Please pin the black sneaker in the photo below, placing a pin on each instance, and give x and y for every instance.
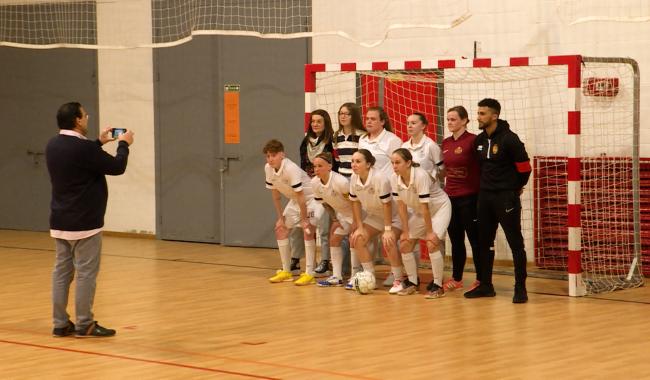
(323, 268)
(60, 332)
(483, 290)
(431, 286)
(521, 295)
(94, 330)
(295, 266)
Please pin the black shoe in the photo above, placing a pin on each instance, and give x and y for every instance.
(431, 286)
(483, 290)
(60, 332)
(521, 295)
(94, 330)
(323, 268)
(295, 266)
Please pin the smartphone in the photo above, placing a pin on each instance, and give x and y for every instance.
(117, 131)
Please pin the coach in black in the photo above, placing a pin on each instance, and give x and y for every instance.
(505, 169)
(77, 167)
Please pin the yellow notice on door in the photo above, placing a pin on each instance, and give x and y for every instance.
(231, 113)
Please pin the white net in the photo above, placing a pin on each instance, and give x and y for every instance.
(535, 101)
(68, 23)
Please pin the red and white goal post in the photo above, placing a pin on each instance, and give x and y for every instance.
(579, 119)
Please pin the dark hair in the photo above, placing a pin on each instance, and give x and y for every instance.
(367, 156)
(328, 131)
(356, 121)
(492, 104)
(383, 116)
(460, 110)
(406, 156)
(273, 146)
(68, 114)
(325, 156)
(422, 117)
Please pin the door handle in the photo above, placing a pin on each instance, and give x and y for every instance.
(35, 156)
(225, 162)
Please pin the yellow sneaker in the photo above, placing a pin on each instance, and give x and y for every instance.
(305, 279)
(281, 276)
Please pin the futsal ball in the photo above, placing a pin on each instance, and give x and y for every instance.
(364, 282)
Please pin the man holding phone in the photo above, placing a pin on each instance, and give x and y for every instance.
(77, 168)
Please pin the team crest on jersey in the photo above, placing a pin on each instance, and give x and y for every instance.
(458, 150)
(480, 147)
(495, 149)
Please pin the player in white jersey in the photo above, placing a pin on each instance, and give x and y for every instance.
(380, 140)
(284, 177)
(424, 150)
(331, 189)
(371, 192)
(415, 189)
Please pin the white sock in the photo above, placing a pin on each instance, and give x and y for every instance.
(437, 266)
(310, 256)
(336, 254)
(285, 254)
(397, 272)
(411, 266)
(369, 267)
(354, 261)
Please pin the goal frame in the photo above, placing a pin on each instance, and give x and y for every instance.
(573, 65)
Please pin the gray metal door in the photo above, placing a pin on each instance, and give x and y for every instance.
(202, 195)
(34, 83)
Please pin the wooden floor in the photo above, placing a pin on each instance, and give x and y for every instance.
(194, 311)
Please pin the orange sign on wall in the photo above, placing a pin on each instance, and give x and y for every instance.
(231, 113)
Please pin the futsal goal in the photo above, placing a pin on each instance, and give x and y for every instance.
(579, 119)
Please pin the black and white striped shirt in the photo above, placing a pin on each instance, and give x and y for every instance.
(345, 146)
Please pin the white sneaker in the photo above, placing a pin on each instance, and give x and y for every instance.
(388, 282)
(398, 286)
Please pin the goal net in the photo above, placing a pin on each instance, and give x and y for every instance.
(578, 118)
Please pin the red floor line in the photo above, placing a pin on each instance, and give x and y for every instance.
(172, 364)
(212, 356)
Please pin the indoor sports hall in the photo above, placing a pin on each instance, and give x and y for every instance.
(188, 239)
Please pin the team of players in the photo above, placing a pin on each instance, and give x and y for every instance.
(393, 189)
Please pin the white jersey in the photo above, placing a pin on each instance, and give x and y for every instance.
(421, 189)
(428, 154)
(289, 180)
(334, 193)
(372, 194)
(381, 148)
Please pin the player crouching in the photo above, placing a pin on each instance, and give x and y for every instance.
(284, 177)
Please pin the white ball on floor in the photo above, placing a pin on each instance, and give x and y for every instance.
(364, 282)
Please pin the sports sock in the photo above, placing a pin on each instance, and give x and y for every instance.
(437, 266)
(310, 256)
(397, 272)
(336, 254)
(411, 266)
(285, 254)
(369, 267)
(354, 261)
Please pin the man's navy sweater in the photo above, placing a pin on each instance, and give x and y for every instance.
(79, 191)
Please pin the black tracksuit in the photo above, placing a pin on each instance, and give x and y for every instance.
(505, 169)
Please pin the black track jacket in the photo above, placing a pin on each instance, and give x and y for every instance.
(503, 159)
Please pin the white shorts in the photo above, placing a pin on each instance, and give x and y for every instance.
(377, 222)
(345, 225)
(439, 221)
(291, 213)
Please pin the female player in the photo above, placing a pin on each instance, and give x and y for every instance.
(424, 150)
(371, 192)
(380, 140)
(319, 139)
(462, 185)
(284, 177)
(416, 189)
(346, 138)
(331, 189)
